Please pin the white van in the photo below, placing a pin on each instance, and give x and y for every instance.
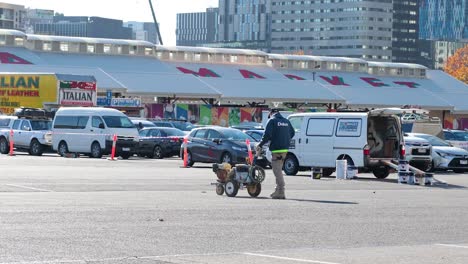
(90, 130)
(362, 138)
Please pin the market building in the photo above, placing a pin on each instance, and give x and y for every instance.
(225, 86)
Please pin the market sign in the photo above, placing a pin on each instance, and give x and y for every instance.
(77, 93)
(126, 102)
(26, 90)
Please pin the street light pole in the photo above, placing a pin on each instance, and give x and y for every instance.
(156, 23)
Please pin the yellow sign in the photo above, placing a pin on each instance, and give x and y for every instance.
(26, 90)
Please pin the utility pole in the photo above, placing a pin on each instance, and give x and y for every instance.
(156, 23)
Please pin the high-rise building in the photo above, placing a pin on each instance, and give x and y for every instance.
(38, 16)
(82, 26)
(12, 16)
(195, 29)
(246, 21)
(143, 31)
(443, 20)
(359, 29)
(405, 31)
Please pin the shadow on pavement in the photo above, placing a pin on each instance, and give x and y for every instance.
(395, 181)
(298, 200)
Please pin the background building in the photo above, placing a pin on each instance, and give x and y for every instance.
(195, 29)
(358, 29)
(245, 21)
(38, 16)
(405, 31)
(82, 26)
(12, 16)
(143, 31)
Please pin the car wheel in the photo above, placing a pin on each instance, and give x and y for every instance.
(226, 158)
(459, 170)
(126, 156)
(4, 148)
(96, 151)
(254, 190)
(381, 172)
(62, 149)
(291, 165)
(36, 148)
(190, 162)
(231, 189)
(430, 167)
(158, 152)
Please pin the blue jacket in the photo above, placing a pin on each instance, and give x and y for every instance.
(279, 132)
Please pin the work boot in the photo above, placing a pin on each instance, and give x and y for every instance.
(278, 194)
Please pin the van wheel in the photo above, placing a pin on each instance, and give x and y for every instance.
(291, 165)
(4, 148)
(62, 149)
(96, 151)
(381, 172)
(36, 148)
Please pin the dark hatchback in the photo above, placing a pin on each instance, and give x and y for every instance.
(217, 145)
(160, 142)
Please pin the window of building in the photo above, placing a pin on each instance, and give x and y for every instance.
(234, 58)
(149, 51)
(197, 57)
(47, 46)
(19, 41)
(91, 48)
(2, 40)
(64, 46)
(107, 48)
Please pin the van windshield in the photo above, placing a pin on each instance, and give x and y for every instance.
(118, 122)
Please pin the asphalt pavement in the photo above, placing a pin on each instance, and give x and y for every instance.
(65, 210)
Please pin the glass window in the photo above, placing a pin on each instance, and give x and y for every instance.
(234, 134)
(296, 123)
(143, 133)
(320, 127)
(5, 122)
(2, 40)
(434, 141)
(39, 125)
(213, 134)
(16, 124)
(97, 122)
(174, 132)
(349, 128)
(200, 133)
(118, 122)
(71, 122)
(63, 46)
(91, 48)
(19, 41)
(26, 126)
(155, 133)
(47, 46)
(107, 48)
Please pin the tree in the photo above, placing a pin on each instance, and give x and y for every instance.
(457, 65)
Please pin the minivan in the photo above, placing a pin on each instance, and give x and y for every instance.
(364, 139)
(90, 130)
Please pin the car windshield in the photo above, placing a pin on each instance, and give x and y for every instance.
(41, 125)
(118, 122)
(184, 126)
(174, 133)
(236, 135)
(460, 136)
(435, 141)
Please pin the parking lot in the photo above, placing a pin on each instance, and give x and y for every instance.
(65, 210)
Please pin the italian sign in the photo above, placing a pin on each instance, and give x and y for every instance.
(77, 93)
(26, 90)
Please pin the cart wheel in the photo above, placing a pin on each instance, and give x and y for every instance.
(254, 190)
(231, 188)
(219, 189)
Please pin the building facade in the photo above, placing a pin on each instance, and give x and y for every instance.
(12, 16)
(196, 29)
(357, 29)
(38, 16)
(443, 20)
(245, 21)
(143, 31)
(405, 31)
(82, 26)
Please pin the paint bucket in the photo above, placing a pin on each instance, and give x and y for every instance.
(317, 173)
(403, 165)
(341, 169)
(352, 172)
(406, 177)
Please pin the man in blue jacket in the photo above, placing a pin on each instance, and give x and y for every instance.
(279, 133)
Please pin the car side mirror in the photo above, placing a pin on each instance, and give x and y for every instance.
(140, 126)
(217, 141)
(28, 129)
(101, 126)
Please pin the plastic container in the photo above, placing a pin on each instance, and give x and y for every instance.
(403, 165)
(341, 169)
(317, 173)
(352, 172)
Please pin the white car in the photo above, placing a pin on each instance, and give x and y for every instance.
(418, 152)
(458, 138)
(444, 155)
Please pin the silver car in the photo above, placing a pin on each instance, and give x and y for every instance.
(444, 155)
(418, 152)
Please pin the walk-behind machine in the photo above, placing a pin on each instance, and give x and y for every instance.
(231, 179)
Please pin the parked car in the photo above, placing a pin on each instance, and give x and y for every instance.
(444, 155)
(364, 139)
(160, 142)
(182, 125)
(249, 126)
(418, 152)
(457, 138)
(257, 135)
(29, 134)
(90, 130)
(141, 123)
(217, 145)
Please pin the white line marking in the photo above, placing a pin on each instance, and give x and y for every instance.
(292, 259)
(451, 245)
(30, 188)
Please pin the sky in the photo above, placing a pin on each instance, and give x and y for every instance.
(127, 10)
